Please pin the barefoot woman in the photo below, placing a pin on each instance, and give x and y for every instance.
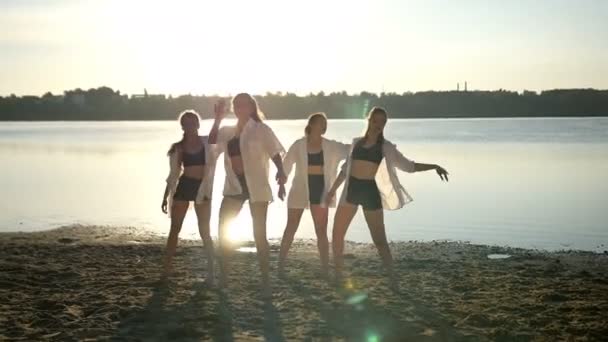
(372, 183)
(192, 165)
(247, 147)
(316, 162)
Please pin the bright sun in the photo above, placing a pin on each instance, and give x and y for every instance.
(241, 228)
(193, 46)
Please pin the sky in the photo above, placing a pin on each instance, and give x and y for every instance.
(228, 46)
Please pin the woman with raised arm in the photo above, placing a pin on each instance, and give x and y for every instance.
(372, 183)
(192, 166)
(316, 161)
(248, 146)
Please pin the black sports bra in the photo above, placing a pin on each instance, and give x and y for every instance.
(192, 159)
(372, 154)
(234, 147)
(315, 159)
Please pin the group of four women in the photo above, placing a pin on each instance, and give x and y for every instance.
(369, 174)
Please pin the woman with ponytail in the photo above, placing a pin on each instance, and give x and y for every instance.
(192, 166)
(316, 161)
(372, 183)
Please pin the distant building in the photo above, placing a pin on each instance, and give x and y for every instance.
(145, 95)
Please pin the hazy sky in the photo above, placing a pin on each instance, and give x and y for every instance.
(227, 46)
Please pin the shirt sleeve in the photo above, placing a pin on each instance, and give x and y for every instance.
(343, 149)
(290, 158)
(272, 145)
(174, 168)
(400, 161)
(224, 134)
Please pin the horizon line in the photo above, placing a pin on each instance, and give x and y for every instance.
(285, 93)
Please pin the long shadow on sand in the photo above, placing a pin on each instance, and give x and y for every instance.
(356, 318)
(205, 315)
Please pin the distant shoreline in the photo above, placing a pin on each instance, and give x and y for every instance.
(330, 118)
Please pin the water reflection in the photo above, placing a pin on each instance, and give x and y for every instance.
(529, 183)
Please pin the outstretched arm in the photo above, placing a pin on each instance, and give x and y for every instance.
(404, 164)
(443, 174)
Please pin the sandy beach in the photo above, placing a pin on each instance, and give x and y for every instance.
(89, 283)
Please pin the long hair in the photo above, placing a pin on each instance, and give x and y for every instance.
(257, 114)
(311, 119)
(180, 118)
(376, 111)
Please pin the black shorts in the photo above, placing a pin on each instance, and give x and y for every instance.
(187, 189)
(316, 185)
(244, 195)
(363, 192)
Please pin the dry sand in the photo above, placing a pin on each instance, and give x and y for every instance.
(78, 283)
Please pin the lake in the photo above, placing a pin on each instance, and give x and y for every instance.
(534, 182)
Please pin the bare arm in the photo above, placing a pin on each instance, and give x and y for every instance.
(331, 193)
(164, 204)
(280, 177)
(218, 109)
(420, 167)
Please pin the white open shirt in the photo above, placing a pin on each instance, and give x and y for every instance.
(176, 168)
(333, 153)
(258, 145)
(392, 193)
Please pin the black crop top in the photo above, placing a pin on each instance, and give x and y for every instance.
(192, 159)
(315, 159)
(373, 153)
(234, 147)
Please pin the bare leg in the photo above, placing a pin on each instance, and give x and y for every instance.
(203, 213)
(258, 215)
(343, 218)
(178, 212)
(319, 217)
(375, 223)
(229, 209)
(293, 221)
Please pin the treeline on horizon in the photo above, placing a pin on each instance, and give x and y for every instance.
(104, 103)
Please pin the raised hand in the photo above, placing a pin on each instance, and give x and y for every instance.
(219, 109)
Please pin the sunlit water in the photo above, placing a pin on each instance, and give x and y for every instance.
(537, 183)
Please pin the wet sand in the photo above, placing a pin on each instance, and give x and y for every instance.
(79, 283)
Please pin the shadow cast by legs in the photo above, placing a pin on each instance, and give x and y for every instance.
(359, 319)
(272, 323)
(201, 317)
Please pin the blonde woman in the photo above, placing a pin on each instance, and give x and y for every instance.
(372, 183)
(248, 146)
